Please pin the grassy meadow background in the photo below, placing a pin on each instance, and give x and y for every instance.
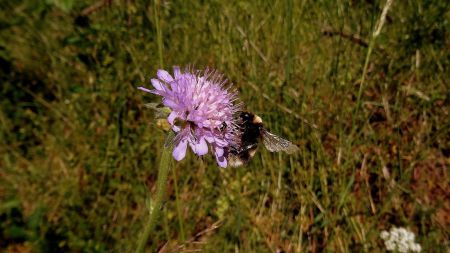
(79, 152)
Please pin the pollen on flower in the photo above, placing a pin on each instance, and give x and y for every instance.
(401, 240)
(201, 103)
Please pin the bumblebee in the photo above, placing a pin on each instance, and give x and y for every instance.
(250, 132)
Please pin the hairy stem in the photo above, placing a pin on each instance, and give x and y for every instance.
(156, 204)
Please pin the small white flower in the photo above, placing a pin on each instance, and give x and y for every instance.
(390, 245)
(384, 234)
(403, 246)
(416, 247)
(401, 240)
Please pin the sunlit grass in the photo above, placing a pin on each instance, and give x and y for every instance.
(80, 153)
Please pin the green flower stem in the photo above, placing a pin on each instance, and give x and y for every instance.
(177, 200)
(157, 203)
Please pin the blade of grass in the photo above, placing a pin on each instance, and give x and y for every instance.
(158, 33)
(375, 34)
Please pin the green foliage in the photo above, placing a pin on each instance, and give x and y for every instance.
(65, 5)
(79, 150)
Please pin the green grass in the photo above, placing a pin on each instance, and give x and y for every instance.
(79, 152)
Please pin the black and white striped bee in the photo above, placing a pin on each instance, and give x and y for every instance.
(251, 132)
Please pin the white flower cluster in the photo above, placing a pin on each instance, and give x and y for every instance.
(400, 240)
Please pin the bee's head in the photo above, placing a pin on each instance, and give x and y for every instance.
(248, 117)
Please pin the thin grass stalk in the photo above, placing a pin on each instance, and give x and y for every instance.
(375, 34)
(158, 33)
(289, 38)
(156, 204)
(363, 77)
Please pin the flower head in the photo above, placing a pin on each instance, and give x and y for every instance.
(202, 111)
(400, 239)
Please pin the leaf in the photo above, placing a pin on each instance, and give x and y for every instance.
(65, 5)
(16, 232)
(36, 218)
(9, 205)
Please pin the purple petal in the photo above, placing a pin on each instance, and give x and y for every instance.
(170, 103)
(201, 148)
(164, 75)
(158, 92)
(219, 151)
(176, 129)
(220, 142)
(210, 139)
(196, 118)
(222, 161)
(145, 89)
(176, 72)
(158, 85)
(175, 86)
(179, 152)
(172, 117)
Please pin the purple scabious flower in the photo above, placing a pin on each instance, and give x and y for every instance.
(202, 108)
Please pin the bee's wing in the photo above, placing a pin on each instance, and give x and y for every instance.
(275, 143)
